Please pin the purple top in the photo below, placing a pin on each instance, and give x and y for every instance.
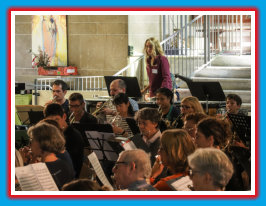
(159, 74)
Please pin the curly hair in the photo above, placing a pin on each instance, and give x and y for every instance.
(219, 129)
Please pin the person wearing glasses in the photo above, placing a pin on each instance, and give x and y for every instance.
(188, 105)
(77, 109)
(131, 170)
(175, 146)
(158, 68)
(210, 169)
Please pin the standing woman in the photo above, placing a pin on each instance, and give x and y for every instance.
(158, 68)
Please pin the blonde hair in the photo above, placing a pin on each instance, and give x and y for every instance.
(156, 47)
(178, 145)
(194, 103)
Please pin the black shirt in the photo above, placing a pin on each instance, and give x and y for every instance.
(61, 172)
(74, 146)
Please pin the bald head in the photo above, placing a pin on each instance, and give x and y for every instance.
(117, 86)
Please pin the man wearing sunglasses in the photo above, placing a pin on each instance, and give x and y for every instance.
(131, 170)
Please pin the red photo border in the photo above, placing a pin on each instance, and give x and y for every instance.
(132, 196)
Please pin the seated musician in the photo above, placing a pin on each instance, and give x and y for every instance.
(132, 169)
(77, 109)
(117, 86)
(59, 89)
(188, 105)
(124, 110)
(164, 99)
(233, 104)
(175, 146)
(46, 142)
(73, 138)
(190, 123)
(217, 133)
(149, 140)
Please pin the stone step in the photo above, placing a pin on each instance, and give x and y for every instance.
(223, 72)
(228, 60)
(228, 83)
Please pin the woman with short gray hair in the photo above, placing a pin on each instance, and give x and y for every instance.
(210, 169)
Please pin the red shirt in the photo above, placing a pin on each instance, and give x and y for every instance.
(159, 74)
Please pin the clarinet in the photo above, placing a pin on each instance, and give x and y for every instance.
(178, 122)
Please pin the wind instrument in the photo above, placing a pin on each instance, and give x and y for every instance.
(176, 122)
(165, 120)
(72, 118)
(54, 99)
(101, 107)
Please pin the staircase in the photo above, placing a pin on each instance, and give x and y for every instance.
(233, 73)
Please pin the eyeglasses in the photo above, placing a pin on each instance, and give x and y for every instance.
(74, 106)
(185, 107)
(118, 163)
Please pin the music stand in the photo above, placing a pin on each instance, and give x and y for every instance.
(23, 112)
(242, 126)
(35, 116)
(132, 90)
(206, 91)
(98, 136)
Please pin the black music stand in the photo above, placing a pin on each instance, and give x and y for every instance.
(206, 91)
(98, 136)
(242, 126)
(35, 116)
(132, 90)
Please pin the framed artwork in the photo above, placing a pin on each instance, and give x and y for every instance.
(49, 36)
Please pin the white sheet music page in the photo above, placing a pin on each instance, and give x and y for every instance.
(35, 177)
(98, 169)
(182, 184)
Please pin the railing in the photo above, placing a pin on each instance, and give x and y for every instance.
(190, 45)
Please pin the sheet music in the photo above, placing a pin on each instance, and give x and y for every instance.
(98, 169)
(181, 184)
(35, 177)
(129, 145)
